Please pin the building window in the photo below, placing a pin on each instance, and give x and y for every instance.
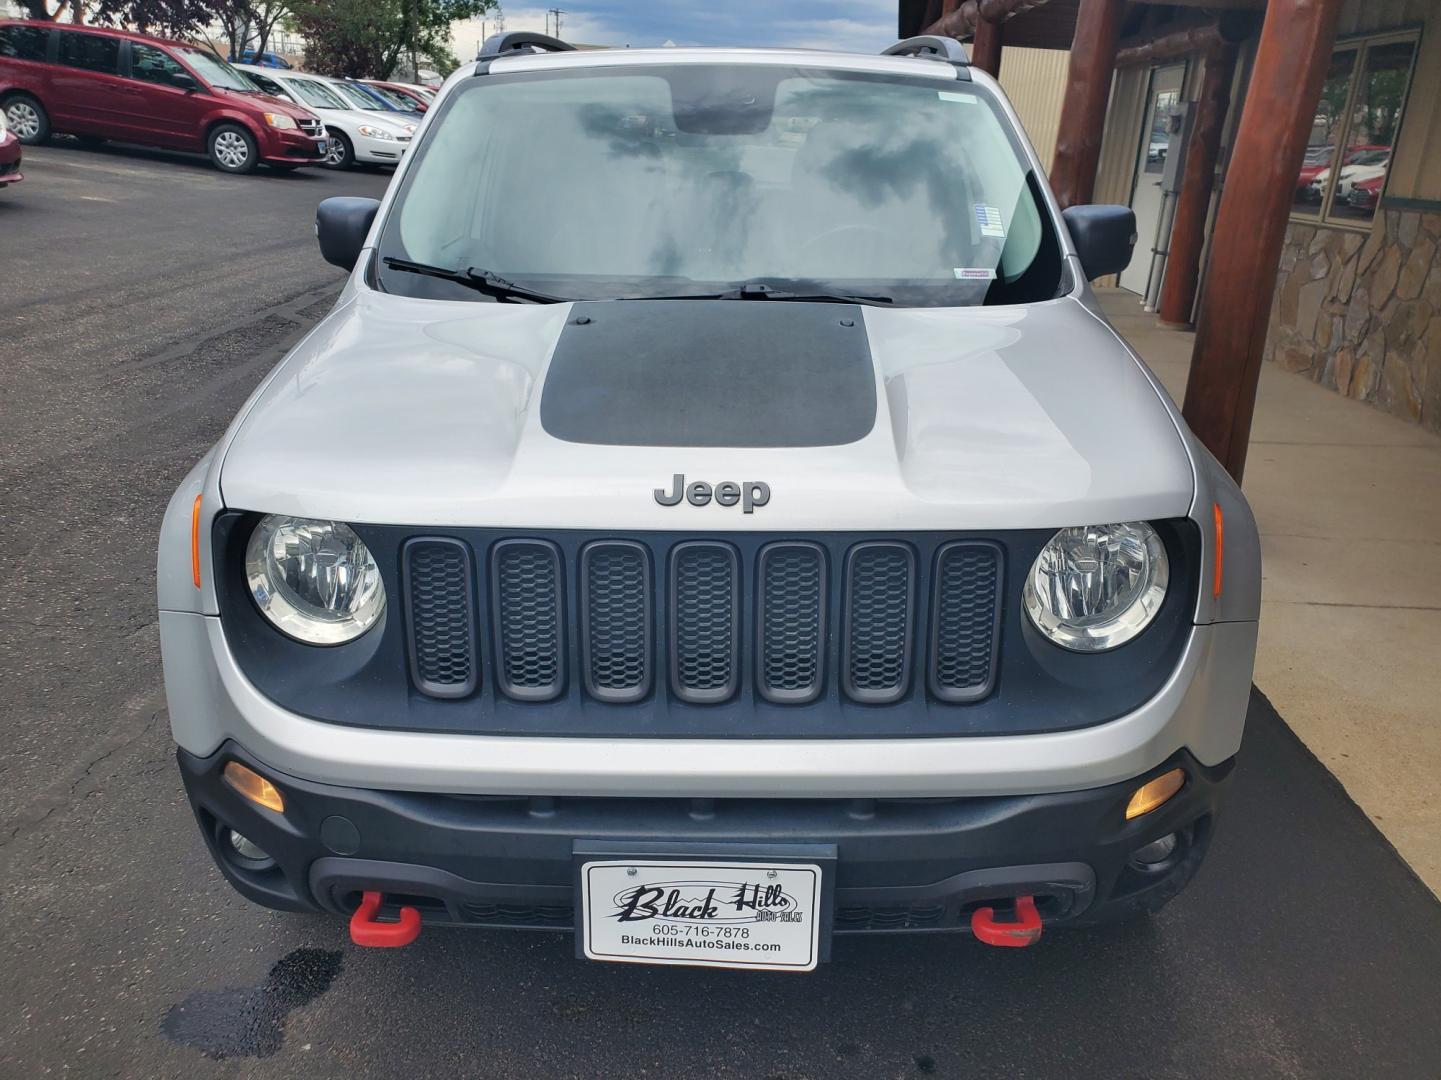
(1348, 157)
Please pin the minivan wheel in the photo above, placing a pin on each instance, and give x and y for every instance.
(232, 149)
(340, 155)
(26, 117)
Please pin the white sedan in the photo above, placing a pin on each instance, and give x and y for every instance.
(356, 135)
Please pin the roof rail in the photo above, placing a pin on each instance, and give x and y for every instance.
(931, 47)
(521, 41)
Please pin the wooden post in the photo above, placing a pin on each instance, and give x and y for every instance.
(1088, 90)
(1292, 58)
(1188, 231)
(986, 46)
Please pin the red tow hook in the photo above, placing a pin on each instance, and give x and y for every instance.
(365, 930)
(1026, 930)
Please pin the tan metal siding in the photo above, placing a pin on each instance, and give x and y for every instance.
(1124, 117)
(1035, 81)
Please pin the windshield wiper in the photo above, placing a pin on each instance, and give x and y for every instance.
(482, 281)
(755, 290)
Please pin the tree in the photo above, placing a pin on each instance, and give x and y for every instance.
(370, 38)
(248, 24)
(176, 18)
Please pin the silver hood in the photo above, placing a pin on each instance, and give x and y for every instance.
(424, 412)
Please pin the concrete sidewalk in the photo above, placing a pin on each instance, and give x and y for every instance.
(1349, 505)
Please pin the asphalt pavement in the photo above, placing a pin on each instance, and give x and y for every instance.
(143, 296)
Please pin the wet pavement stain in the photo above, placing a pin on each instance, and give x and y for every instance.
(250, 1021)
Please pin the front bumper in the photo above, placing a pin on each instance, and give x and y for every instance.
(291, 147)
(379, 152)
(1201, 709)
(901, 865)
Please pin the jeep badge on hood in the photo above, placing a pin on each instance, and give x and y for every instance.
(750, 494)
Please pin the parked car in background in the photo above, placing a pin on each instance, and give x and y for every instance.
(265, 59)
(1361, 163)
(370, 99)
(1316, 159)
(9, 156)
(1366, 194)
(371, 138)
(110, 84)
(406, 97)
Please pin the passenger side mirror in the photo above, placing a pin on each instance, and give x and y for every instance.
(1104, 236)
(341, 226)
(184, 81)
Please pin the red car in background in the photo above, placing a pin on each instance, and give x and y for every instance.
(9, 157)
(109, 84)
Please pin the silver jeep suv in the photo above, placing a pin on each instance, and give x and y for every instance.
(714, 518)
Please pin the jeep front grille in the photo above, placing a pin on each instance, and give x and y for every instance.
(699, 622)
(440, 617)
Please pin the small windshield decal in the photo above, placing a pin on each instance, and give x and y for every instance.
(974, 273)
(951, 95)
(989, 219)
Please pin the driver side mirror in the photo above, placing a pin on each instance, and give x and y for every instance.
(341, 225)
(1104, 237)
(184, 81)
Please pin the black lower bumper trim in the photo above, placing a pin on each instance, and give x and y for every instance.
(902, 864)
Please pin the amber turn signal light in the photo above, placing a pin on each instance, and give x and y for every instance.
(254, 786)
(1154, 793)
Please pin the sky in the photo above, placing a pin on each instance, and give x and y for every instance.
(854, 25)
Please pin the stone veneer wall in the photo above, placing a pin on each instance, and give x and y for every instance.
(1362, 314)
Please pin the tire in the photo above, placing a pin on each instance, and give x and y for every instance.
(27, 119)
(341, 154)
(232, 149)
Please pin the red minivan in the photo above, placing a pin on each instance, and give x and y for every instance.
(108, 84)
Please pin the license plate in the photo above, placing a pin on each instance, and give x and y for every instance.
(708, 914)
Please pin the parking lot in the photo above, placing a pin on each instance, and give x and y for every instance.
(144, 295)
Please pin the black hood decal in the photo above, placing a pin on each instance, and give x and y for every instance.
(752, 373)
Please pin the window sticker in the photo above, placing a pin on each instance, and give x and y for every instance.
(973, 273)
(951, 95)
(989, 219)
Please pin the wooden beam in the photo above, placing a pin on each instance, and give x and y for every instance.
(1188, 231)
(1083, 110)
(1230, 28)
(1291, 62)
(986, 47)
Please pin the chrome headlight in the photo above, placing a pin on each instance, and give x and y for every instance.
(376, 133)
(281, 121)
(1096, 587)
(314, 580)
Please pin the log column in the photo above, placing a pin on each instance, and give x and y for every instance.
(986, 45)
(1292, 58)
(1188, 231)
(1088, 90)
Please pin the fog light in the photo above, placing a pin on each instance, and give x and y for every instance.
(1157, 851)
(1155, 793)
(254, 787)
(247, 848)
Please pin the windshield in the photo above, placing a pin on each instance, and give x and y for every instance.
(400, 101)
(315, 93)
(216, 71)
(358, 98)
(692, 179)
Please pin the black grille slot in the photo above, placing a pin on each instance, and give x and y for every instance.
(965, 613)
(616, 619)
(880, 596)
(705, 621)
(792, 602)
(529, 619)
(441, 617)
